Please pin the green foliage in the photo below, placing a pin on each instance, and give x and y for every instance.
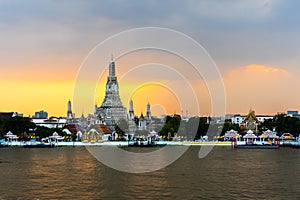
(171, 126)
(230, 126)
(43, 132)
(196, 127)
(193, 129)
(282, 124)
(17, 125)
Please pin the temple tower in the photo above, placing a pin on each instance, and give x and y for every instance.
(148, 114)
(69, 112)
(131, 111)
(112, 109)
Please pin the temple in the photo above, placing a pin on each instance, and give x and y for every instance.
(142, 123)
(251, 121)
(112, 109)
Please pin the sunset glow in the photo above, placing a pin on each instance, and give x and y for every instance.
(44, 45)
(262, 68)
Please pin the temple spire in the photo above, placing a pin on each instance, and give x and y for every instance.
(69, 112)
(131, 111)
(112, 69)
(148, 114)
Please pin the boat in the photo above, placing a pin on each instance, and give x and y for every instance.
(295, 144)
(3, 143)
(38, 145)
(256, 146)
(144, 143)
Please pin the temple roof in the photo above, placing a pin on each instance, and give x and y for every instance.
(251, 116)
(101, 128)
(73, 128)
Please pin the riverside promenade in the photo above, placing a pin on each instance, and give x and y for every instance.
(125, 143)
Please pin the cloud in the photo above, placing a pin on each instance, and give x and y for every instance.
(267, 88)
(265, 69)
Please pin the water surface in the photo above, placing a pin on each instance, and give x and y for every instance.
(72, 173)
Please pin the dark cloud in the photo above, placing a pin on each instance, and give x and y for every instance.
(232, 31)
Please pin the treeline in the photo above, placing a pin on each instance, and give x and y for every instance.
(194, 128)
(282, 124)
(17, 125)
(23, 127)
(197, 127)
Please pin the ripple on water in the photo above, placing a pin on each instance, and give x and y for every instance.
(68, 173)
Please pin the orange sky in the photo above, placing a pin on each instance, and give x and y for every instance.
(259, 86)
(43, 45)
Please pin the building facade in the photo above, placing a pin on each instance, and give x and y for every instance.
(40, 115)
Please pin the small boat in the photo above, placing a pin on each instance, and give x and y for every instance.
(254, 146)
(136, 144)
(38, 145)
(144, 143)
(295, 144)
(3, 143)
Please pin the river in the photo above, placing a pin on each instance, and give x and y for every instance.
(73, 173)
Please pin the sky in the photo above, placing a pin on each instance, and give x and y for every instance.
(254, 44)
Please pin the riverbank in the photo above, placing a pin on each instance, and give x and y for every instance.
(159, 143)
(125, 143)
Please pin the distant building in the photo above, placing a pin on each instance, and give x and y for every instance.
(293, 113)
(229, 116)
(52, 122)
(40, 115)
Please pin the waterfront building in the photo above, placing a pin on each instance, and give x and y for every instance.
(231, 135)
(97, 133)
(74, 129)
(112, 109)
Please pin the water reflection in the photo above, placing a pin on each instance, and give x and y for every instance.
(68, 173)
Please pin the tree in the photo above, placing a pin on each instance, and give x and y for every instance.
(282, 124)
(43, 132)
(17, 125)
(230, 126)
(171, 126)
